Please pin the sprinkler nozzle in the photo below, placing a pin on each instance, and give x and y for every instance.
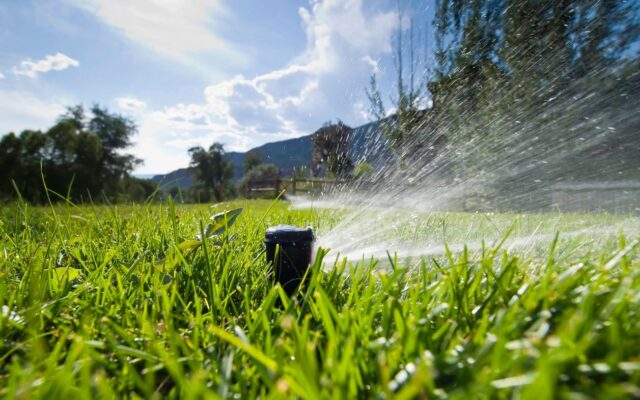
(289, 250)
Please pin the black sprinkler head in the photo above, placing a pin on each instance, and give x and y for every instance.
(289, 250)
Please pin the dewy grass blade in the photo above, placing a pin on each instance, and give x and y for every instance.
(220, 223)
(248, 349)
(620, 255)
(212, 300)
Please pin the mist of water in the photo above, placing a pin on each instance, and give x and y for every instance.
(537, 163)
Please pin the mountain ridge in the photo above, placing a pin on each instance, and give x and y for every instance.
(365, 145)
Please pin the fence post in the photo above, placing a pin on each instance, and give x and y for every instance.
(293, 185)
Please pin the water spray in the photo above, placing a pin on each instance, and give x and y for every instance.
(289, 250)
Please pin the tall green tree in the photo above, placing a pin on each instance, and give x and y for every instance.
(21, 158)
(251, 160)
(115, 132)
(400, 129)
(78, 157)
(330, 151)
(212, 169)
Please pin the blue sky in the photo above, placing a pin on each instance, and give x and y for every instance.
(193, 72)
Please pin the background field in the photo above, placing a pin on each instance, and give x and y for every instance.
(111, 301)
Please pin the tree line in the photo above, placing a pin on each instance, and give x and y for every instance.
(81, 158)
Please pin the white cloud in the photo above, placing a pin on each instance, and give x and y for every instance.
(166, 135)
(360, 108)
(174, 28)
(55, 62)
(130, 104)
(1, 75)
(375, 65)
(326, 80)
(22, 110)
(322, 82)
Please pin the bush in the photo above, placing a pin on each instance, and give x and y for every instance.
(262, 172)
(363, 170)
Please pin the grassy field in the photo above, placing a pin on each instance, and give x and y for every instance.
(103, 302)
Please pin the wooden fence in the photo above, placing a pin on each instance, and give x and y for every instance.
(292, 186)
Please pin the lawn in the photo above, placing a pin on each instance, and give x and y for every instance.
(122, 301)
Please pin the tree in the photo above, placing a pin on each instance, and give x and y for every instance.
(363, 170)
(77, 158)
(114, 132)
(251, 160)
(27, 176)
(526, 82)
(137, 190)
(331, 150)
(521, 91)
(212, 169)
(88, 152)
(263, 172)
(399, 129)
(10, 161)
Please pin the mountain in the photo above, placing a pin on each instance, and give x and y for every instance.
(285, 154)
(365, 144)
(182, 178)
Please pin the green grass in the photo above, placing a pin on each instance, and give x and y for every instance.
(101, 302)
